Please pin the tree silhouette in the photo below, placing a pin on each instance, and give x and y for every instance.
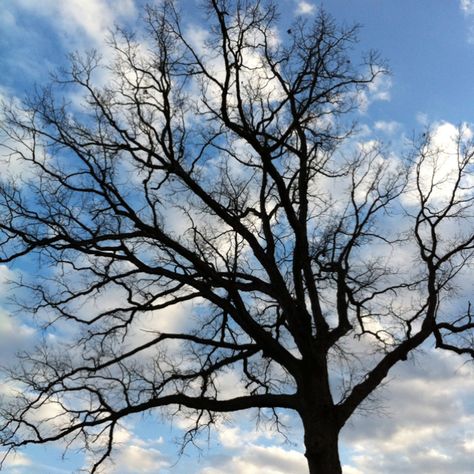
(221, 181)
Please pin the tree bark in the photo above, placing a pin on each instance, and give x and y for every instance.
(320, 418)
(322, 451)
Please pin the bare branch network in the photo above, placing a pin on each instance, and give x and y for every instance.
(209, 209)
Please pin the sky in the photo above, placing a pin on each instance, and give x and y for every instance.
(423, 420)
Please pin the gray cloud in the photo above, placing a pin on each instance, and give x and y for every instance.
(427, 422)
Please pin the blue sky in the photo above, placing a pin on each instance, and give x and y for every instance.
(429, 47)
(424, 420)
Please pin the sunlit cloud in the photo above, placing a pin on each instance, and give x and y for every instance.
(83, 20)
(305, 8)
(258, 459)
(425, 421)
(389, 127)
(467, 6)
(379, 90)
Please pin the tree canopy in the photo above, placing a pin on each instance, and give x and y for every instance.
(208, 207)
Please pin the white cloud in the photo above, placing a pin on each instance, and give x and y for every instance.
(14, 335)
(351, 470)
(238, 446)
(6, 276)
(467, 6)
(131, 454)
(387, 127)
(11, 146)
(468, 444)
(378, 90)
(17, 459)
(422, 118)
(305, 8)
(438, 170)
(428, 427)
(19, 463)
(78, 18)
(256, 459)
(137, 459)
(232, 436)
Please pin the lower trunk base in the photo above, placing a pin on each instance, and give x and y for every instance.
(322, 453)
(319, 465)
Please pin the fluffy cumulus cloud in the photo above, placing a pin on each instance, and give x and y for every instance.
(14, 333)
(256, 459)
(425, 425)
(439, 165)
(12, 167)
(423, 119)
(138, 457)
(253, 451)
(387, 127)
(421, 421)
(18, 461)
(305, 8)
(378, 90)
(37, 36)
(81, 19)
(467, 6)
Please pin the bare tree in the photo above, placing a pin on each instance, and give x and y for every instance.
(222, 179)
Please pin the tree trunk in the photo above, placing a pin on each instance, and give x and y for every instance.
(322, 450)
(320, 419)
